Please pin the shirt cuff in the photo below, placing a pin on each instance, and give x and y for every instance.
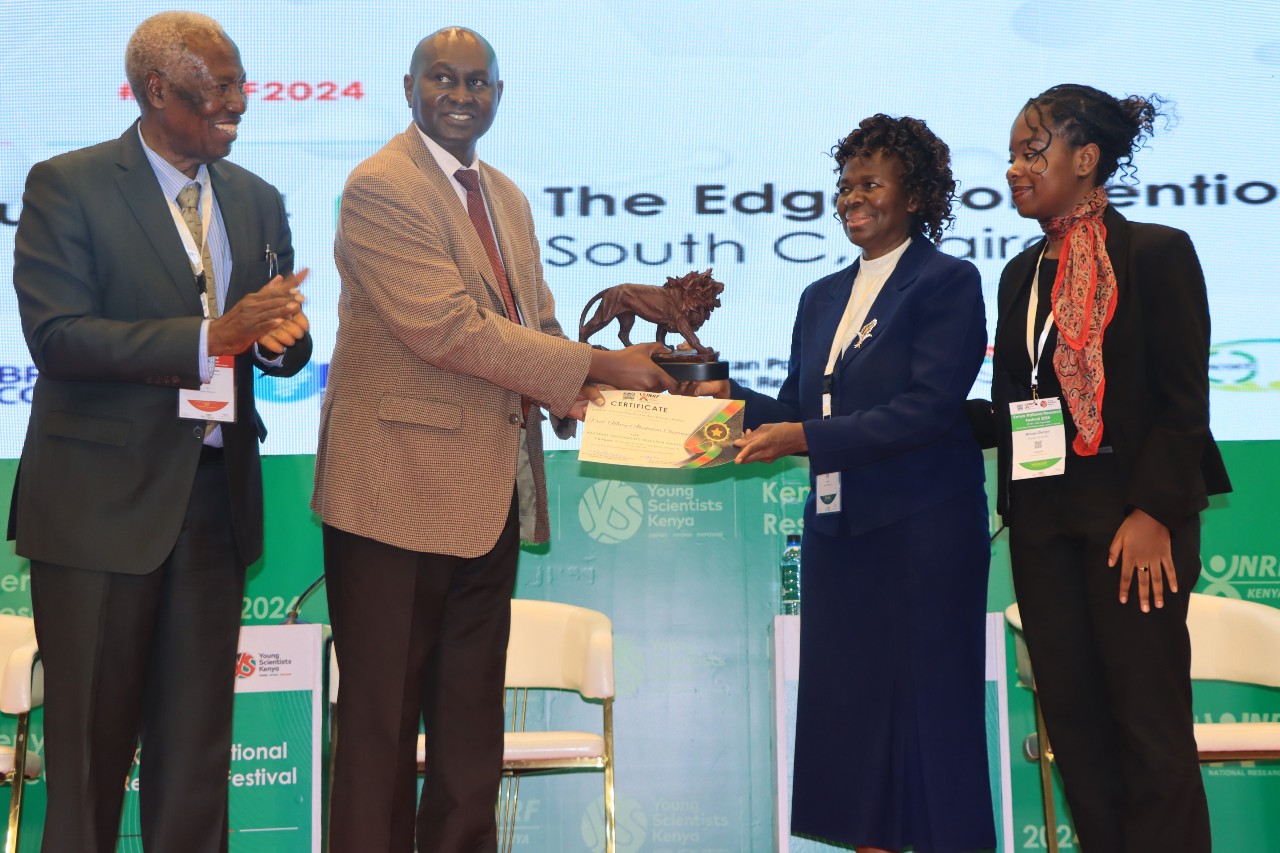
(275, 361)
(206, 363)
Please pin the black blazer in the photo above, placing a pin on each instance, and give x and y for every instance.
(1155, 353)
(111, 317)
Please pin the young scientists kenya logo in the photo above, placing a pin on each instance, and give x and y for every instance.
(246, 666)
(611, 512)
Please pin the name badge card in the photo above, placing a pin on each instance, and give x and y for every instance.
(216, 399)
(827, 493)
(1039, 441)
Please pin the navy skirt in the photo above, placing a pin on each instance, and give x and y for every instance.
(891, 735)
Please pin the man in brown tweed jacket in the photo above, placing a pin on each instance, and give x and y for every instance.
(429, 466)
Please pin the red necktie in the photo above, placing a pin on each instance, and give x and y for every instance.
(470, 180)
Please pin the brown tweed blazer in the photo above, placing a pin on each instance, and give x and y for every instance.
(420, 430)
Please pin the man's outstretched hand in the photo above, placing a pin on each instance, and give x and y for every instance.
(631, 369)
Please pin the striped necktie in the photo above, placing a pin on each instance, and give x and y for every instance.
(189, 205)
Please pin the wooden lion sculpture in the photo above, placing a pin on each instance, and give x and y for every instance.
(680, 305)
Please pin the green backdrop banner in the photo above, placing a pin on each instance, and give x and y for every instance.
(685, 563)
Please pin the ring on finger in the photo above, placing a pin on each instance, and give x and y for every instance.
(1144, 568)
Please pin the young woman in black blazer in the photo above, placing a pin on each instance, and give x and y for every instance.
(1111, 318)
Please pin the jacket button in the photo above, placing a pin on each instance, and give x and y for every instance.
(514, 420)
(198, 432)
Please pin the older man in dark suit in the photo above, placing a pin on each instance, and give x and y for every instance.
(146, 270)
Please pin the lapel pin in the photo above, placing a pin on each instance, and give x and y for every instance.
(864, 334)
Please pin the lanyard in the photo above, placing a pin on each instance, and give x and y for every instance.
(1036, 349)
(195, 253)
(855, 311)
(853, 308)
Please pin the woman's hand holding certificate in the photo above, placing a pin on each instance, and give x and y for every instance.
(649, 430)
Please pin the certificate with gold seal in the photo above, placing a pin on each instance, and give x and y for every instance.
(661, 430)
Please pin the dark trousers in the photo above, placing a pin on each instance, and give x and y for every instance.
(1114, 682)
(150, 656)
(419, 637)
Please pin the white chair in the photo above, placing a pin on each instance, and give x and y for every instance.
(1237, 641)
(1231, 640)
(557, 647)
(21, 689)
(553, 647)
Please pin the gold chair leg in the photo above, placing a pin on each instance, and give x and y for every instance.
(1046, 782)
(505, 811)
(609, 828)
(515, 705)
(19, 780)
(500, 811)
(515, 809)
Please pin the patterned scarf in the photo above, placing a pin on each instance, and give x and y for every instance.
(1084, 298)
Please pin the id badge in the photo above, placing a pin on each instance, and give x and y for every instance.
(216, 399)
(828, 493)
(1039, 440)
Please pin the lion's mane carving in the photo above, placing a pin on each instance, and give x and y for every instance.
(680, 305)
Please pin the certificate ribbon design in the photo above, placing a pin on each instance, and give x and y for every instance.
(713, 437)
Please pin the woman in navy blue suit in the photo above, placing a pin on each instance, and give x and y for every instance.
(891, 734)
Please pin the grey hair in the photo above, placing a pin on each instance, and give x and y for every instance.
(160, 43)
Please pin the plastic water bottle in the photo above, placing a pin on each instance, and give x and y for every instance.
(790, 570)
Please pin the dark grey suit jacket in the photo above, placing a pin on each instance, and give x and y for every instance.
(111, 316)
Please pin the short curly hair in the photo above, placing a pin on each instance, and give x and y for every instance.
(926, 165)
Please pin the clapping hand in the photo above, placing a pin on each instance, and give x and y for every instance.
(272, 317)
